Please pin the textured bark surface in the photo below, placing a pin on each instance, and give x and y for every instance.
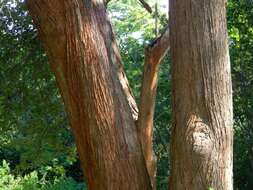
(82, 52)
(153, 58)
(201, 145)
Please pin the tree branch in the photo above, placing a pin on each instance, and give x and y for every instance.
(146, 6)
(154, 54)
(159, 47)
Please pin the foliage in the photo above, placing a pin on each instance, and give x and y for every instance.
(240, 25)
(33, 125)
(34, 132)
(32, 181)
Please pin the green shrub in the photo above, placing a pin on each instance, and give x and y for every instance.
(31, 181)
(64, 183)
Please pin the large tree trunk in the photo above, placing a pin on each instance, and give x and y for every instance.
(201, 145)
(82, 52)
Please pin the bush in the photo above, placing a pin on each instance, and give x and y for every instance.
(31, 181)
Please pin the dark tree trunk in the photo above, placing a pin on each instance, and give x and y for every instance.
(202, 134)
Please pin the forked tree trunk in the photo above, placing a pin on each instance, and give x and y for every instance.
(84, 56)
(79, 42)
(201, 146)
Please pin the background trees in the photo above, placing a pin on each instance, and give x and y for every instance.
(240, 24)
(32, 120)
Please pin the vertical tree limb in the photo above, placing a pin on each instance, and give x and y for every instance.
(153, 58)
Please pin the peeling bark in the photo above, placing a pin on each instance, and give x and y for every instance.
(202, 135)
(84, 57)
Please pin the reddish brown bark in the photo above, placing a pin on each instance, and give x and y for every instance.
(153, 58)
(201, 147)
(79, 42)
(84, 56)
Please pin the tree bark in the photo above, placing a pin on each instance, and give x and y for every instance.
(202, 134)
(154, 55)
(82, 52)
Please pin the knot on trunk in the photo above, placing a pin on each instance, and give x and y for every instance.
(199, 138)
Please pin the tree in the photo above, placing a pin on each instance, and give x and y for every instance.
(115, 150)
(201, 147)
(81, 47)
